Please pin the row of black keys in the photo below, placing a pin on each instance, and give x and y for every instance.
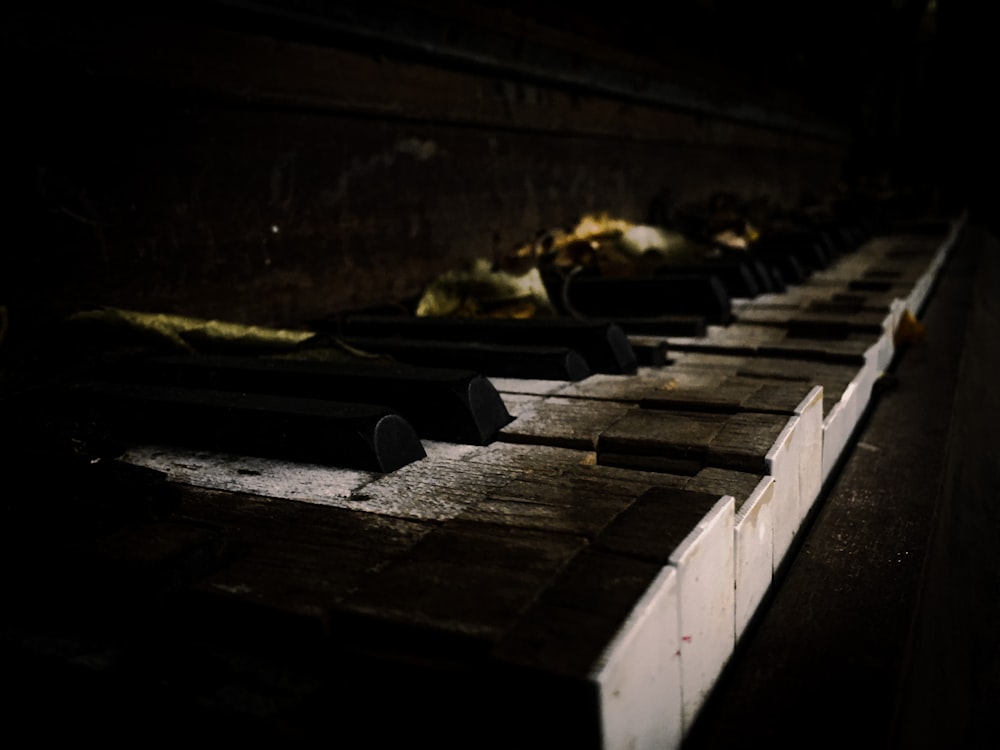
(372, 416)
(368, 415)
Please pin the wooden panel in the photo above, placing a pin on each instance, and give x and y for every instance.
(230, 174)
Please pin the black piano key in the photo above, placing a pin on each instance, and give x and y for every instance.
(654, 354)
(835, 241)
(869, 285)
(602, 343)
(737, 276)
(791, 269)
(807, 247)
(356, 436)
(666, 325)
(771, 277)
(839, 237)
(459, 406)
(651, 297)
(493, 360)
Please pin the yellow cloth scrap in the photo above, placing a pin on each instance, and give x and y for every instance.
(617, 247)
(737, 240)
(481, 290)
(909, 331)
(512, 285)
(180, 332)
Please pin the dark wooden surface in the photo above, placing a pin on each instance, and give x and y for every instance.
(899, 545)
(950, 694)
(181, 161)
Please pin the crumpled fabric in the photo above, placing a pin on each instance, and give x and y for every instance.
(181, 333)
(514, 285)
(482, 289)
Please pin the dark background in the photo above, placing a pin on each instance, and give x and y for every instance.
(909, 79)
(269, 161)
(153, 150)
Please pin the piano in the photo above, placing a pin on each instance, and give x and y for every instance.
(568, 544)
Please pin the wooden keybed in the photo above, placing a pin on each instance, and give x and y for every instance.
(584, 579)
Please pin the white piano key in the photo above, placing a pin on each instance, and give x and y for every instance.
(783, 461)
(846, 414)
(705, 563)
(809, 434)
(837, 427)
(639, 675)
(753, 534)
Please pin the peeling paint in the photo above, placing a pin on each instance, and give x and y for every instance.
(362, 167)
(418, 149)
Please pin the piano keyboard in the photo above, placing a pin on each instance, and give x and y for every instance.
(572, 561)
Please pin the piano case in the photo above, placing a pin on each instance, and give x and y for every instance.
(237, 541)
